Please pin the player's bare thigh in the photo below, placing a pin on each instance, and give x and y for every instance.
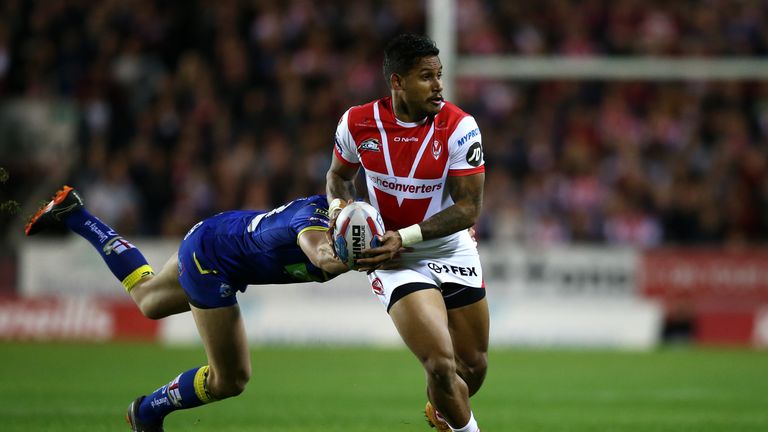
(420, 318)
(161, 295)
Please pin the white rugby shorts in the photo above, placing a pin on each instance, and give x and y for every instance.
(434, 264)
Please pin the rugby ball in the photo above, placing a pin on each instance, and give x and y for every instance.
(356, 229)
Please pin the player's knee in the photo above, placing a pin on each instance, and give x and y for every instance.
(151, 311)
(235, 387)
(476, 366)
(151, 308)
(441, 369)
(143, 295)
(472, 370)
(231, 385)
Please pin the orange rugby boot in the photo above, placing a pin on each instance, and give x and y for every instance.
(63, 203)
(435, 420)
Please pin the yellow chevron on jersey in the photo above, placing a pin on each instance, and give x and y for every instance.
(200, 268)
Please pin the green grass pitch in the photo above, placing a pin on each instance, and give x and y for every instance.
(64, 387)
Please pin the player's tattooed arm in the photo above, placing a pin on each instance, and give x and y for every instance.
(467, 194)
(340, 181)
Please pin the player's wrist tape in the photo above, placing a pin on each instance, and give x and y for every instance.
(410, 235)
(333, 206)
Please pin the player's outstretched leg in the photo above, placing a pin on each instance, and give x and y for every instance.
(123, 259)
(156, 296)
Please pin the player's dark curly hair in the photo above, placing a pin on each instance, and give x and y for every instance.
(404, 51)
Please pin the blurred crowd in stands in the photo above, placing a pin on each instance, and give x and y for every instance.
(188, 108)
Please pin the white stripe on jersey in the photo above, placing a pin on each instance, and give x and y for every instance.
(384, 140)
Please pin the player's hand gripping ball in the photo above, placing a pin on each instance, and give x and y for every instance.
(357, 228)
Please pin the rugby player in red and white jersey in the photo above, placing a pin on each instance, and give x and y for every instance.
(423, 164)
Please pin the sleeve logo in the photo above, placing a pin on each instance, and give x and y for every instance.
(471, 134)
(475, 154)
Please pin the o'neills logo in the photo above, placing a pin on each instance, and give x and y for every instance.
(391, 184)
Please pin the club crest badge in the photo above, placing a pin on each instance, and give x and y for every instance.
(437, 149)
(371, 144)
(377, 287)
(225, 290)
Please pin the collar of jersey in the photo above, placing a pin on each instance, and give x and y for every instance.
(410, 124)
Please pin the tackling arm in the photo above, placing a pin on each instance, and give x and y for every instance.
(315, 246)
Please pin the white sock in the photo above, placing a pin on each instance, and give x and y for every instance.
(470, 427)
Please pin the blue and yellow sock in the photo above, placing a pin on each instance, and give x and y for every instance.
(188, 390)
(123, 258)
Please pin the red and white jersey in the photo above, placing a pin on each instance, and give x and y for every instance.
(406, 164)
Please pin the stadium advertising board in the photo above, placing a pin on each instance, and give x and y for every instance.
(73, 319)
(562, 272)
(564, 296)
(558, 296)
(574, 296)
(724, 292)
(704, 276)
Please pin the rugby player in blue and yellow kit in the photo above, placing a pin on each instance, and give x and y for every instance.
(217, 258)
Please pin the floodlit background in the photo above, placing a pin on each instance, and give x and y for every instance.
(626, 148)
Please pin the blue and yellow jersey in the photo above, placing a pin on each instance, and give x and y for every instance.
(237, 248)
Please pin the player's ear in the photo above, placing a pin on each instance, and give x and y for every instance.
(396, 82)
